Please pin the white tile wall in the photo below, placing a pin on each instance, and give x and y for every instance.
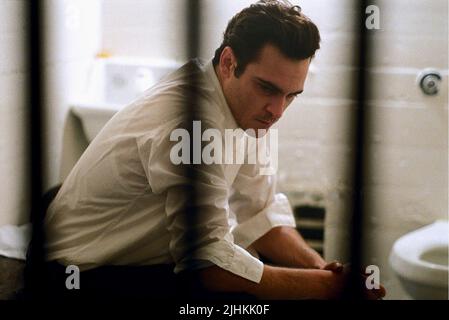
(13, 199)
(215, 17)
(423, 127)
(395, 51)
(13, 52)
(73, 39)
(149, 28)
(12, 16)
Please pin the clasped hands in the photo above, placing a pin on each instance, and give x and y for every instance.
(342, 273)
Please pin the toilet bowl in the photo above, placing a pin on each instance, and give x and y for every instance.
(420, 260)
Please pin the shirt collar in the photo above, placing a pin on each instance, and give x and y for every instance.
(229, 120)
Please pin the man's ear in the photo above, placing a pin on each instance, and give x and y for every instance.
(228, 62)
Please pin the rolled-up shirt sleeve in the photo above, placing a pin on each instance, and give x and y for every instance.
(202, 235)
(257, 206)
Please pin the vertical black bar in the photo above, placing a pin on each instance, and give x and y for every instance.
(193, 28)
(193, 44)
(360, 125)
(34, 282)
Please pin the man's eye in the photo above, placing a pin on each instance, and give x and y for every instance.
(267, 89)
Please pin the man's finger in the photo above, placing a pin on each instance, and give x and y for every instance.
(376, 293)
(334, 266)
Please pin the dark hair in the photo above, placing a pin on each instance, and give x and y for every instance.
(274, 22)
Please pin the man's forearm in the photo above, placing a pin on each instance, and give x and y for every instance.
(284, 246)
(276, 283)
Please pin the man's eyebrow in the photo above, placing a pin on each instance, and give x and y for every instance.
(275, 87)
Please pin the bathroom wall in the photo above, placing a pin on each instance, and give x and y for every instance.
(408, 187)
(149, 28)
(13, 74)
(73, 33)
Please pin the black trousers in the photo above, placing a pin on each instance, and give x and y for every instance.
(128, 282)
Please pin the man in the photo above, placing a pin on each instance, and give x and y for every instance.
(121, 215)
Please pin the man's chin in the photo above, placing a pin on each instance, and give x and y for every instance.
(258, 132)
(256, 129)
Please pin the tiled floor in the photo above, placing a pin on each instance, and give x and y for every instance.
(11, 277)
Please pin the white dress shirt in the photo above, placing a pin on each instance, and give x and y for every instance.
(123, 203)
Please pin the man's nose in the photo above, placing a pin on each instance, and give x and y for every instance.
(276, 106)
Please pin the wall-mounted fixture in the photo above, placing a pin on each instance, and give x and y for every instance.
(429, 81)
(115, 83)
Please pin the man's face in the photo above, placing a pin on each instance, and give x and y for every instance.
(259, 97)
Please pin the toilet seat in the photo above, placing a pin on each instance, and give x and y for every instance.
(406, 257)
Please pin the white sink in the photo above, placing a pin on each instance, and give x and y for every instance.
(114, 83)
(94, 116)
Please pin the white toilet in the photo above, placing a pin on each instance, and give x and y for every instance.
(420, 260)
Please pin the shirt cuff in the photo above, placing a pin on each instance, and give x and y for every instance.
(228, 256)
(278, 213)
